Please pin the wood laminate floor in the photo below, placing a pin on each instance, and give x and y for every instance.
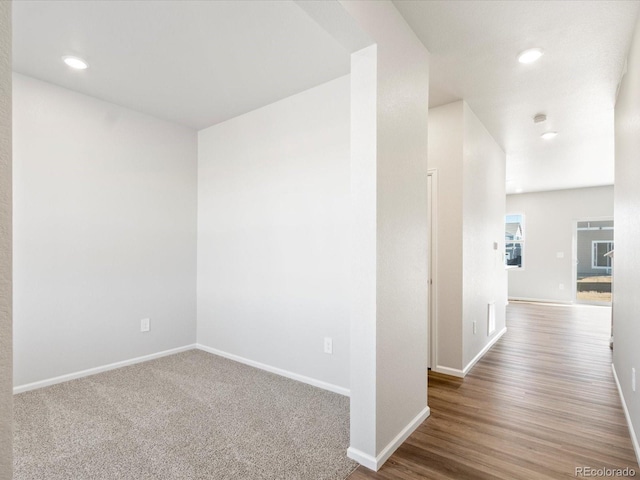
(540, 403)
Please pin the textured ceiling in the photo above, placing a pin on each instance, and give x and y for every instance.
(192, 62)
(474, 45)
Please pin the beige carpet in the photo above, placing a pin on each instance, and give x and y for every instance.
(188, 416)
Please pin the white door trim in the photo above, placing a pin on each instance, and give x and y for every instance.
(574, 257)
(432, 198)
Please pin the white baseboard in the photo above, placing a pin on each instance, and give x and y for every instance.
(375, 463)
(145, 358)
(455, 372)
(103, 368)
(362, 458)
(278, 371)
(546, 301)
(486, 348)
(632, 433)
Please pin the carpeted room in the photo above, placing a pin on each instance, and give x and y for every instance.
(249, 231)
(184, 416)
(137, 199)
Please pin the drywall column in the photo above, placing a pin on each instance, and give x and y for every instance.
(390, 88)
(389, 112)
(6, 355)
(364, 261)
(626, 302)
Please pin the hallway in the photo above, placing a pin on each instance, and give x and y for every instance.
(541, 403)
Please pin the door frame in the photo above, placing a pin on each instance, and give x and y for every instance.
(432, 253)
(574, 258)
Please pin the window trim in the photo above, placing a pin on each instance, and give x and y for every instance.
(594, 255)
(520, 241)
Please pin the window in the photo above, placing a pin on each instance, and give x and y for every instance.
(514, 240)
(598, 258)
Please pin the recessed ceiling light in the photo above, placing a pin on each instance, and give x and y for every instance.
(549, 135)
(75, 62)
(530, 55)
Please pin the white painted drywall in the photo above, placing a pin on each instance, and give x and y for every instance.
(390, 158)
(6, 358)
(549, 222)
(446, 134)
(626, 301)
(104, 232)
(273, 234)
(470, 203)
(484, 279)
(364, 87)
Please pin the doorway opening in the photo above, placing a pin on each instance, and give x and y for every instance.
(593, 262)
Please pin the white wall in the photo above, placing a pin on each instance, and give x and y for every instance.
(446, 142)
(626, 301)
(364, 386)
(484, 279)
(273, 234)
(389, 163)
(6, 360)
(105, 232)
(470, 211)
(548, 230)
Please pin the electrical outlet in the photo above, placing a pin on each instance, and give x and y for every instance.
(561, 286)
(328, 345)
(144, 325)
(559, 254)
(474, 327)
(633, 379)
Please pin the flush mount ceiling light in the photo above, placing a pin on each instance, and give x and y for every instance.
(530, 55)
(75, 62)
(549, 135)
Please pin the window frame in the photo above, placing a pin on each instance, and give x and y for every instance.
(594, 255)
(521, 241)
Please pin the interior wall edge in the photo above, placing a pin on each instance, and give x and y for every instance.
(627, 416)
(377, 462)
(6, 245)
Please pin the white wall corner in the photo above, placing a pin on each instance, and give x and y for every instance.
(375, 463)
(145, 358)
(362, 458)
(632, 433)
